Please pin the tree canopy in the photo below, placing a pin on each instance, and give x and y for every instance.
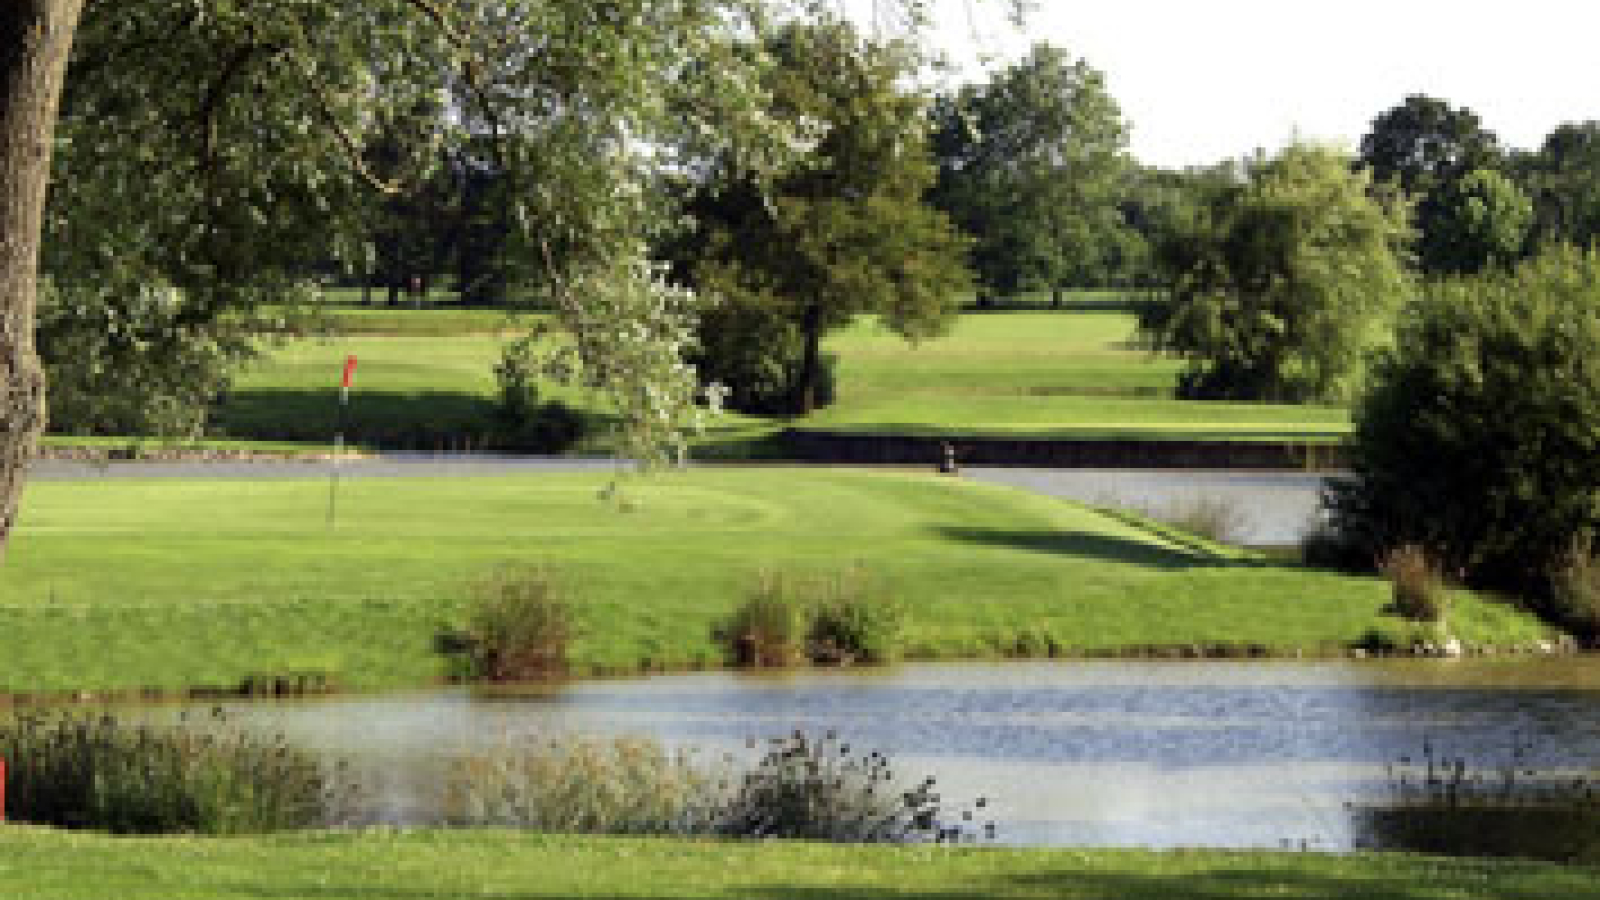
(1031, 164)
(1280, 283)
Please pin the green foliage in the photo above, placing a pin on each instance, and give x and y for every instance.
(749, 345)
(843, 230)
(1279, 285)
(524, 424)
(1426, 149)
(1419, 590)
(1031, 164)
(1564, 179)
(1478, 436)
(107, 774)
(1483, 222)
(1575, 588)
(522, 626)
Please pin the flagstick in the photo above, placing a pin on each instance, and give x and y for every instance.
(338, 439)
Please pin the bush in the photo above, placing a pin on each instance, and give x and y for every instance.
(1478, 436)
(831, 619)
(816, 789)
(769, 628)
(754, 352)
(1575, 588)
(1420, 594)
(105, 774)
(521, 628)
(853, 620)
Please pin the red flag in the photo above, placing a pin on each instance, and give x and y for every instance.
(349, 371)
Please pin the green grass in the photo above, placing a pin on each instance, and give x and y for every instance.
(1014, 373)
(37, 864)
(174, 583)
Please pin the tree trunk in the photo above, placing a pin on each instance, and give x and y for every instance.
(805, 387)
(35, 40)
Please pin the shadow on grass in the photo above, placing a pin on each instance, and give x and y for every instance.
(1087, 545)
(412, 420)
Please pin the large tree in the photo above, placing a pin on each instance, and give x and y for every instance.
(843, 231)
(1278, 285)
(1564, 179)
(1031, 164)
(1425, 147)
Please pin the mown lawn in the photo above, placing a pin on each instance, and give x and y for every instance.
(1039, 373)
(119, 583)
(37, 864)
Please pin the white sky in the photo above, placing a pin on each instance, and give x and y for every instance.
(1204, 80)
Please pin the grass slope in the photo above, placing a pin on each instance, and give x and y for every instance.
(1063, 373)
(37, 864)
(120, 583)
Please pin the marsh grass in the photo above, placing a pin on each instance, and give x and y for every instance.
(581, 786)
(200, 777)
(768, 629)
(1214, 517)
(793, 787)
(1445, 804)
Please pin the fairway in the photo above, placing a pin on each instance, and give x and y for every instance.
(1070, 373)
(123, 583)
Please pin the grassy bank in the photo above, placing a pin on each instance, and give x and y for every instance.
(1069, 373)
(38, 864)
(122, 584)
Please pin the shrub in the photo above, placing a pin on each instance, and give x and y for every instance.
(106, 774)
(769, 629)
(1478, 436)
(1575, 588)
(521, 628)
(1420, 594)
(817, 789)
(582, 786)
(853, 620)
(832, 619)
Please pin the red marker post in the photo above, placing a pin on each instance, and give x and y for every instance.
(338, 437)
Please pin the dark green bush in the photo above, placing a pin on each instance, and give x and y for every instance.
(521, 628)
(1480, 431)
(101, 773)
(523, 424)
(754, 351)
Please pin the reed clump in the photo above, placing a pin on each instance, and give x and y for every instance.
(199, 777)
(522, 626)
(829, 619)
(1419, 590)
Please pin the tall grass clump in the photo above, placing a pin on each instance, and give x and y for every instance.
(581, 786)
(521, 628)
(797, 787)
(853, 619)
(833, 619)
(1444, 804)
(819, 789)
(1214, 517)
(1575, 589)
(1419, 591)
(106, 774)
(769, 628)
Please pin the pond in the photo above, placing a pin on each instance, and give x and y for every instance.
(1148, 754)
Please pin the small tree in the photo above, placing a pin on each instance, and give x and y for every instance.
(1478, 437)
(1278, 285)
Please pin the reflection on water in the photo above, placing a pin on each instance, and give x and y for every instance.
(1105, 753)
